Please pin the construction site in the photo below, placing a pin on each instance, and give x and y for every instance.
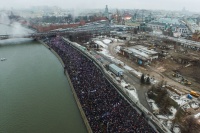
(173, 69)
(177, 67)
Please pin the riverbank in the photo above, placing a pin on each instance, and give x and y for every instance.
(72, 88)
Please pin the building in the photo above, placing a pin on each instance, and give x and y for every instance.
(106, 13)
(140, 54)
(193, 26)
(168, 23)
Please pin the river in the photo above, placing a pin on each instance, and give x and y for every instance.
(35, 96)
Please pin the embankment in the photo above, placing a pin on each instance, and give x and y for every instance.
(73, 91)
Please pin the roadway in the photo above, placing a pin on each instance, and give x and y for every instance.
(132, 79)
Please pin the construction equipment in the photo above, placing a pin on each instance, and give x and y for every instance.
(194, 93)
(186, 82)
(177, 75)
(151, 47)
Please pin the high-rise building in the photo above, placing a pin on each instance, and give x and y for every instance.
(106, 13)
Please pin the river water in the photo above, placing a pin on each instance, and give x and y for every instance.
(35, 96)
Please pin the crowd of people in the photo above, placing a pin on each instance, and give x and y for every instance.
(105, 109)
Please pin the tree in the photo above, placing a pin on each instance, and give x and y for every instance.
(97, 46)
(148, 81)
(142, 79)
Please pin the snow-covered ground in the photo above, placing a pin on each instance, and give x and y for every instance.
(162, 117)
(101, 44)
(131, 92)
(134, 94)
(197, 115)
(153, 105)
(117, 49)
(181, 100)
(107, 41)
(173, 111)
(139, 74)
(176, 129)
(124, 84)
(194, 105)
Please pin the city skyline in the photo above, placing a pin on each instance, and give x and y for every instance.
(177, 5)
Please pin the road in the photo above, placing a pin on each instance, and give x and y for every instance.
(141, 89)
(130, 78)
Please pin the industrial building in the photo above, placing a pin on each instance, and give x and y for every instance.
(140, 54)
(166, 23)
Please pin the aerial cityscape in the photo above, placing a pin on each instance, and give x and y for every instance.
(100, 67)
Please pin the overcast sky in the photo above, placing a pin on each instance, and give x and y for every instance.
(192, 5)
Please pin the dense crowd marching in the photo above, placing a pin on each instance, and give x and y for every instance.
(105, 108)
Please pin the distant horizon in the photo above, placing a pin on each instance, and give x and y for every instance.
(167, 5)
(42, 6)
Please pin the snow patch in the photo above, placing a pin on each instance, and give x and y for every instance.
(197, 115)
(133, 93)
(101, 44)
(107, 41)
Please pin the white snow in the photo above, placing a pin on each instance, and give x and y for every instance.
(194, 105)
(181, 100)
(197, 115)
(173, 110)
(176, 130)
(117, 49)
(101, 44)
(133, 93)
(136, 72)
(128, 68)
(169, 124)
(162, 117)
(124, 84)
(153, 105)
(117, 61)
(106, 41)
(106, 53)
(133, 70)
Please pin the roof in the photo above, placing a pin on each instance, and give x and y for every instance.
(140, 51)
(145, 50)
(169, 20)
(116, 68)
(167, 24)
(137, 52)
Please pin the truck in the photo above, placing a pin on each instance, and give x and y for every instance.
(116, 70)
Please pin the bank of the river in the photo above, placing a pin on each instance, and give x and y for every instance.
(72, 87)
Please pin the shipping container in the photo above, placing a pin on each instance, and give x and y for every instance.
(116, 70)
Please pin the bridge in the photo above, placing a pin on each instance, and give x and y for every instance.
(68, 32)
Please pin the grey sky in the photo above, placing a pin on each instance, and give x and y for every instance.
(192, 5)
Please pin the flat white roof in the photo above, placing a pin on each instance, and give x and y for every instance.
(144, 50)
(137, 52)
